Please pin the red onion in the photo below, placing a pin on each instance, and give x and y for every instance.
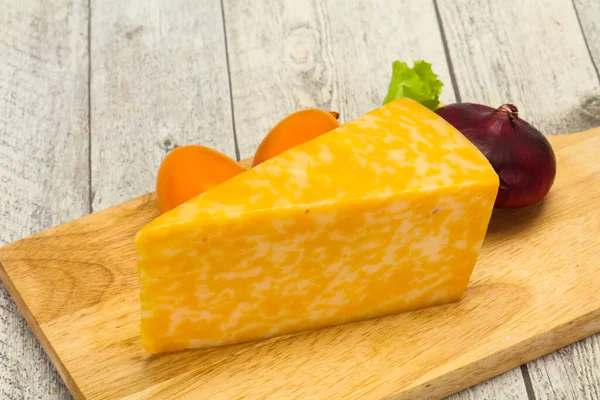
(521, 156)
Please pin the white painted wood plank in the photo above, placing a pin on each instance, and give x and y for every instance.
(540, 63)
(43, 158)
(530, 53)
(159, 78)
(508, 386)
(569, 373)
(588, 12)
(336, 55)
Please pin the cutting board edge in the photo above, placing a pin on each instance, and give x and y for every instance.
(37, 330)
(552, 340)
(133, 204)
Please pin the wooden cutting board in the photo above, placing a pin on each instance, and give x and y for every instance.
(536, 287)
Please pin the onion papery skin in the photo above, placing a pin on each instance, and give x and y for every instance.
(519, 153)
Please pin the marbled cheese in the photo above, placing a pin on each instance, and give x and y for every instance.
(385, 214)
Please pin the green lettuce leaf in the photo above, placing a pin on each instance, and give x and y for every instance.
(419, 83)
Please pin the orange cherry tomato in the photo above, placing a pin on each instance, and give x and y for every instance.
(188, 171)
(293, 130)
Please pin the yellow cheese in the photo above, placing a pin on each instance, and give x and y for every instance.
(382, 215)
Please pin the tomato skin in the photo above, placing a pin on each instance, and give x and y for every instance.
(188, 171)
(295, 129)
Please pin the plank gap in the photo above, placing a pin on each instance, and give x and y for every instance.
(527, 380)
(446, 51)
(585, 40)
(89, 104)
(235, 139)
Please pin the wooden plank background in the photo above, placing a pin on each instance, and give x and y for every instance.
(94, 93)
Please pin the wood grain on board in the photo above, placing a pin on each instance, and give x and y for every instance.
(541, 63)
(159, 78)
(533, 290)
(43, 158)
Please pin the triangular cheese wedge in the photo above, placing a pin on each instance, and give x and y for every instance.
(385, 214)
